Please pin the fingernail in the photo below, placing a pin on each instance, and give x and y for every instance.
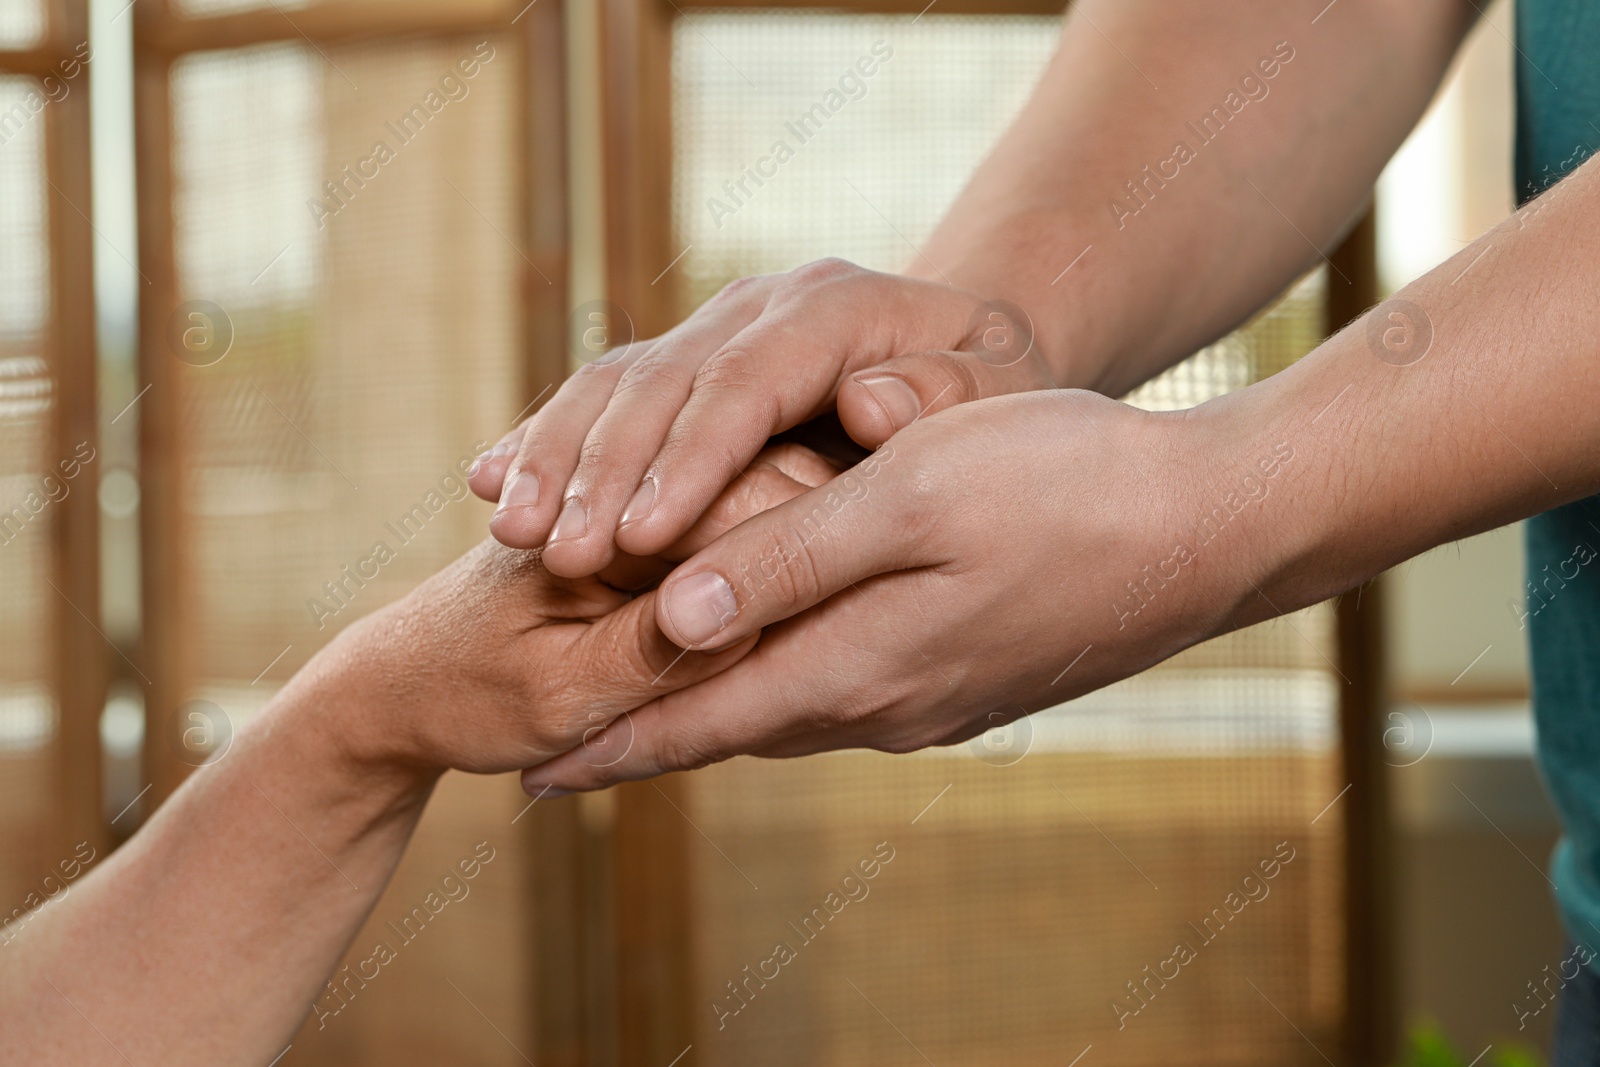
(701, 605)
(642, 502)
(572, 522)
(523, 492)
(547, 792)
(897, 399)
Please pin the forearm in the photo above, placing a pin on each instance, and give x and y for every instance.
(1125, 279)
(206, 938)
(1496, 422)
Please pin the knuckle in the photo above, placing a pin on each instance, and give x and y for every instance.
(744, 498)
(592, 457)
(764, 487)
(607, 443)
(656, 371)
(742, 287)
(609, 367)
(784, 456)
(596, 374)
(798, 464)
(963, 380)
(677, 750)
(920, 504)
(828, 269)
(874, 712)
(786, 570)
(740, 376)
(536, 446)
(927, 485)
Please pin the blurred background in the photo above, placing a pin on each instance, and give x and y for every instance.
(275, 268)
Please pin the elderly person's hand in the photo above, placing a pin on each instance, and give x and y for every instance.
(234, 901)
(495, 664)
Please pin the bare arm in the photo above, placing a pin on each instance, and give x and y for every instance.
(209, 935)
(1202, 153)
(1014, 552)
(1285, 114)
(1494, 420)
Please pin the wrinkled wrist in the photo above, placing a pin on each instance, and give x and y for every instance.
(341, 712)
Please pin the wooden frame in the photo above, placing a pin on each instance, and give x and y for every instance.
(651, 932)
(80, 653)
(84, 655)
(1372, 1033)
(161, 37)
(650, 839)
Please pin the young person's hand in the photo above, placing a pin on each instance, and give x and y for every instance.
(634, 447)
(1013, 553)
(958, 578)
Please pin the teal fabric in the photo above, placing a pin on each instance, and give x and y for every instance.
(1558, 112)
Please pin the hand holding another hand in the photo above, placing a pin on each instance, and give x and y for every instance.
(495, 664)
(635, 446)
(956, 575)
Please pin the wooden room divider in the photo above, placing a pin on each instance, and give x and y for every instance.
(53, 654)
(353, 243)
(353, 220)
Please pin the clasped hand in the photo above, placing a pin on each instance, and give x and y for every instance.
(1001, 533)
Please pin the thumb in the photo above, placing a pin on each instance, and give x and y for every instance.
(620, 662)
(797, 554)
(876, 402)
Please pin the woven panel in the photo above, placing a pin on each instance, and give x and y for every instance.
(30, 488)
(21, 25)
(1020, 905)
(374, 333)
(870, 182)
(466, 10)
(376, 328)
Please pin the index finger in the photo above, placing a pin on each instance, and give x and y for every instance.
(828, 321)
